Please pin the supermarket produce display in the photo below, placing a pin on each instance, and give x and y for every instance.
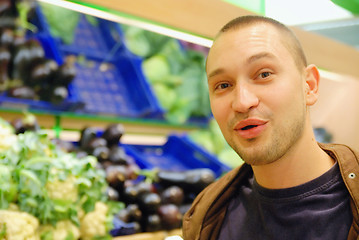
(28, 75)
(59, 186)
(109, 69)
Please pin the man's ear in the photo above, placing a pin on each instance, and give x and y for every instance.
(312, 84)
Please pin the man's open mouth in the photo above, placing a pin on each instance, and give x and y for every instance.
(248, 127)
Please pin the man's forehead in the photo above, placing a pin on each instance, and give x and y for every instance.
(251, 34)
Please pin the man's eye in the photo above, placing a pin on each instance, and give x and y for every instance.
(264, 74)
(222, 86)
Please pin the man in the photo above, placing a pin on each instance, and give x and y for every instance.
(290, 187)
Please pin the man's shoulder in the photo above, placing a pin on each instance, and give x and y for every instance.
(211, 201)
(342, 152)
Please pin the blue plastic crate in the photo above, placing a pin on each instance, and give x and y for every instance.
(99, 38)
(118, 90)
(179, 153)
(121, 90)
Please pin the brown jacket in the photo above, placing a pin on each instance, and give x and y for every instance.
(204, 219)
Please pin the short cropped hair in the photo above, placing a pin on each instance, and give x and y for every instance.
(291, 42)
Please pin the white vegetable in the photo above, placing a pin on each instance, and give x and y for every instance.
(94, 223)
(18, 225)
(66, 189)
(61, 231)
(7, 136)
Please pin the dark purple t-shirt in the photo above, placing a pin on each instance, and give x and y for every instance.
(319, 209)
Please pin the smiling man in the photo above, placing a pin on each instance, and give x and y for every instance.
(290, 187)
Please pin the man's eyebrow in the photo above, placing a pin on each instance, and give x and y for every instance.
(259, 56)
(215, 72)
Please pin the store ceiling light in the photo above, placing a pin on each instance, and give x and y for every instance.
(132, 22)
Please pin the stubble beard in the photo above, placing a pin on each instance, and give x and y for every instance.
(282, 140)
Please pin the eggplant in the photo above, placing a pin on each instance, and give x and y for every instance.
(101, 153)
(118, 156)
(152, 223)
(41, 73)
(133, 170)
(116, 177)
(8, 22)
(27, 123)
(21, 57)
(59, 94)
(133, 193)
(7, 37)
(123, 215)
(18, 41)
(145, 187)
(5, 5)
(193, 180)
(112, 194)
(172, 195)
(5, 57)
(23, 92)
(113, 134)
(95, 143)
(65, 146)
(170, 215)
(134, 212)
(149, 202)
(18, 125)
(87, 134)
(65, 74)
(130, 194)
(36, 49)
(8, 8)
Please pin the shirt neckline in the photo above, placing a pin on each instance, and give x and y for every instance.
(294, 193)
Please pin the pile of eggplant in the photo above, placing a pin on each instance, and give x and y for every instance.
(25, 71)
(154, 199)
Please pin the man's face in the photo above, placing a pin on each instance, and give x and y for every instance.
(257, 93)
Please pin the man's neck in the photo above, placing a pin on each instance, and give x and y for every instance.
(304, 162)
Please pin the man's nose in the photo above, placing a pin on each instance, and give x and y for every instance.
(244, 98)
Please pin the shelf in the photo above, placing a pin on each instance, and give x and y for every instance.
(44, 119)
(75, 122)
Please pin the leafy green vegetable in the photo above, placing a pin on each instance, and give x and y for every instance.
(143, 43)
(23, 8)
(165, 95)
(156, 68)
(62, 21)
(8, 188)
